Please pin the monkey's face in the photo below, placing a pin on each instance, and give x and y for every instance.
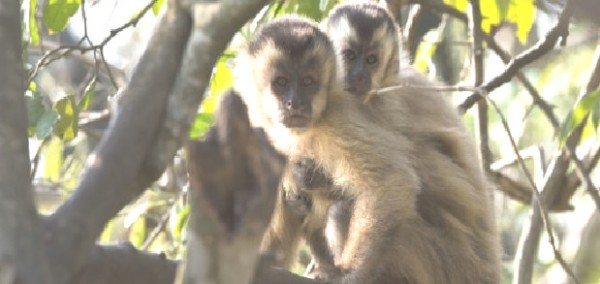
(365, 39)
(292, 72)
(294, 92)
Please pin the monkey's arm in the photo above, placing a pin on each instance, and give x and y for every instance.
(281, 239)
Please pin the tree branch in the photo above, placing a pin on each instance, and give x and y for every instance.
(234, 178)
(539, 202)
(22, 258)
(215, 26)
(123, 264)
(560, 30)
(109, 181)
(482, 108)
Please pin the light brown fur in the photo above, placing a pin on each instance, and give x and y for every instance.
(388, 242)
(454, 201)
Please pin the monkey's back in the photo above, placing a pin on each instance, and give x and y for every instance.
(455, 198)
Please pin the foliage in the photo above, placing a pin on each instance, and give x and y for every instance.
(496, 12)
(588, 107)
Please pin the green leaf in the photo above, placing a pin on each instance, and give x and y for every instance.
(596, 114)
(309, 8)
(67, 125)
(178, 220)
(88, 94)
(200, 125)
(157, 5)
(58, 12)
(34, 33)
(137, 232)
(326, 5)
(35, 110)
(460, 5)
(43, 127)
(53, 160)
(578, 114)
(522, 13)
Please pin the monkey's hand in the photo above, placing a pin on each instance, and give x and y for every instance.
(299, 202)
(309, 176)
(325, 273)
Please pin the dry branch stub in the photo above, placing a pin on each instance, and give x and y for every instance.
(234, 176)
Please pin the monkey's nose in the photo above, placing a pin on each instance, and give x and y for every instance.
(295, 105)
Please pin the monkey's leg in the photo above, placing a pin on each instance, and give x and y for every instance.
(387, 242)
(324, 266)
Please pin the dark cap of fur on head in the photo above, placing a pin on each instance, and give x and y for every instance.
(370, 16)
(295, 35)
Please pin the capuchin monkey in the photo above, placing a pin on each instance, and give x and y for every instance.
(287, 77)
(453, 200)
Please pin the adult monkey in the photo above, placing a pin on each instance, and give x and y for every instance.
(454, 199)
(287, 77)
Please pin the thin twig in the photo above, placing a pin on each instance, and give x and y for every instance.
(536, 192)
(406, 86)
(560, 30)
(546, 108)
(38, 155)
(159, 228)
(482, 108)
(504, 56)
(63, 51)
(108, 70)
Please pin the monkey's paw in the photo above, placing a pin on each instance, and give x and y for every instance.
(308, 175)
(325, 274)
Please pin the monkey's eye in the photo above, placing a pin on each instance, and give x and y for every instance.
(349, 54)
(307, 81)
(280, 81)
(371, 59)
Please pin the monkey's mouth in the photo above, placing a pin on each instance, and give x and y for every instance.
(359, 92)
(296, 121)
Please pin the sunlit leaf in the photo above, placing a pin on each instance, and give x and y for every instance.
(522, 13)
(222, 78)
(136, 213)
(492, 13)
(32, 87)
(576, 116)
(460, 5)
(178, 220)
(58, 12)
(426, 50)
(105, 237)
(157, 6)
(200, 125)
(53, 160)
(34, 33)
(137, 232)
(88, 94)
(67, 125)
